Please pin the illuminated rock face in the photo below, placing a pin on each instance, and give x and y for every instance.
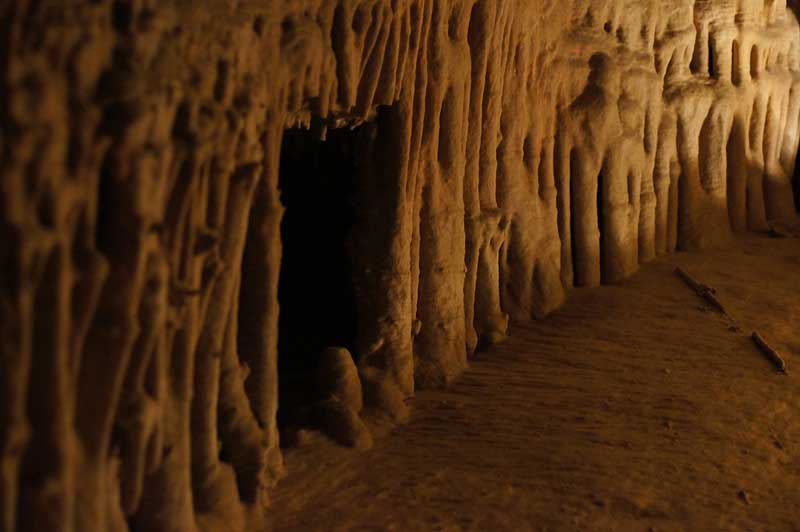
(501, 152)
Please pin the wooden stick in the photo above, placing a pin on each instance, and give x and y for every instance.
(696, 285)
(771, 353)
(706, 292)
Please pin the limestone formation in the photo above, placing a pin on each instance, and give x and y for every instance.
(337, 376)
(339, 385)
(468, 161)
(342, 423)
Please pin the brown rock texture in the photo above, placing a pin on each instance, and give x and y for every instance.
(503, 152)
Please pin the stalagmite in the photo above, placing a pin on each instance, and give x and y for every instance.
(489, 156)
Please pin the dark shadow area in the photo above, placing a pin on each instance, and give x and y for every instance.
(315, 293)
(573, 178)
(712, 69)
(754, 62)
(601, 225)
(796, 182)
(794, 6)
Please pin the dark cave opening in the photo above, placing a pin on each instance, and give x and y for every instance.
(316, 292)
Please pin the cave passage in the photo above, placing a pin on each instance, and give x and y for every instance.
(316, 292)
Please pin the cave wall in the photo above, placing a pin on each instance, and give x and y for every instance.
(511, 149)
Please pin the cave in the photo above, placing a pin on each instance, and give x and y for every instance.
(316, 292)
(399, 264)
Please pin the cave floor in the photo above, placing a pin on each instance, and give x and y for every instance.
(631, 408)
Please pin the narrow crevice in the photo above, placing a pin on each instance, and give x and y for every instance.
(796, 182)
(754, 62)
(712, 67)
(573, 214)
(601, 223)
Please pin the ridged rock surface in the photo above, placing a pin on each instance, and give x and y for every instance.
(509, 150)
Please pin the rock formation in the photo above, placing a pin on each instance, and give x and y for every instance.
(480, 158)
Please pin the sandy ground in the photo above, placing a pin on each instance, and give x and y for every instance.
(632, 408)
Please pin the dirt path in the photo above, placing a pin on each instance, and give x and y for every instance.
(632, 408)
